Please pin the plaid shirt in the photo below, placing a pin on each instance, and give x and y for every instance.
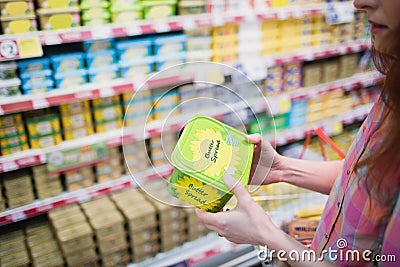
(354, 219)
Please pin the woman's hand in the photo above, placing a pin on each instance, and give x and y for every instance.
(266, 165)
(247, 223)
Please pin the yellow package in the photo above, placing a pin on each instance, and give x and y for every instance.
(108, 113)
(74, 108)
(43, 125)
(10, 120)
(14, 149)
(16, 8)
(12, 131)
(22, 24)
(78, 133)
(108, 126)
(13, 141)
(224, 30)
(76, 121)
(46, 141)
(105, 101)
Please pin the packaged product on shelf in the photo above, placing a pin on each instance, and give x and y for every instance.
(170, 44)
(74, 108)
(12, 129)
(165, 61)
(136, 157)
(98, 45)
(100, 58)
(36, 64)
(13, 120)
(8, 70)
(211, 166)
(274, 82)
(112, 169)
(190, 7)
(19, 24)
(78, 120)
(137, 69)
(42, 125)
(108, 225)
(135, 49)
(298, 112)
(195, 228)
(95, 16)
(8, 150)
(38, 87)
(67, 62)
(105, 126)
(105, 101)
(159, 9)
(16, 8)
(54, 4)
(13, 140)
(103, 74)
(46, 184)
(78, 132)
(142, 222)
(71, 78)
(59, 18)
(292, 76)
(46, 140)
(10, 87)
(107, 113)
(75, 238)
(42, 245)
(330, 70)
(35, 77)
(312, 74)
(81, 178)
(126, 16)
(18, 188)
(348, 65)
(13, 249)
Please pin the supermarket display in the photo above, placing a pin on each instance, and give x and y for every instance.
(80, 102)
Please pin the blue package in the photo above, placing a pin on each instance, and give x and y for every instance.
(36, 64)
(70, 78)
(170, 44)
(137, 69)
(134, 49)
(100, 58)
(36, 88)
(67, 62)
(98, 45)
(166, 61)
(103, 74)
(35, 76)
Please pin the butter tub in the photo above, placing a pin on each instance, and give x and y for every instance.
(206, 150)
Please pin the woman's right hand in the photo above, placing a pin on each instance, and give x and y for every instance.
(266, 164)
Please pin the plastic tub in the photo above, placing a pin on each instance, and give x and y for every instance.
(206, 150)
(134, 49)
(67, 62)
(103, 74)
(159, 9)
(57, 3)
(21, 24)
(16, 8)
(38, 88)
(100, 58)
(10, 87)
(70, 79)
(98, 45)
(137, 69)
(165, 61)
(63, 18)
(170, 44)
(33, 64)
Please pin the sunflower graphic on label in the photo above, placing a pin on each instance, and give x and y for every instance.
(206, 150)
(211, 154)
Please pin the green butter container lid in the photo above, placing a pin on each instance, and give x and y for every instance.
(208, 148)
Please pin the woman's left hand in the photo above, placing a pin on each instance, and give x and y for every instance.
(247, 223)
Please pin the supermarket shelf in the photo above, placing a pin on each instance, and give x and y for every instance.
(85, 92)
(95, 90)
(79, 196)
(43, 206)
(140, 27)
(117, 137)
(329, 126)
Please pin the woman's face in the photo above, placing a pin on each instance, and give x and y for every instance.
(385, 23)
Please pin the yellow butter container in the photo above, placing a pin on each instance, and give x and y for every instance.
(105, 101)
(21, 24)
(46, 141)
(14, 149)
(10, 120)
(16, 8)
(78, 133)
(107, 113)
(13, 141)
(43, 125)
(108, 126)
(54, 19)
(74, 108)
(76, 120)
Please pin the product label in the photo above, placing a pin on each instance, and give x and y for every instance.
(212, 153)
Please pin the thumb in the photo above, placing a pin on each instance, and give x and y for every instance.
(254, 138)
(236, 187)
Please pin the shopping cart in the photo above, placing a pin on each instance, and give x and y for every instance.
(282, 201)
